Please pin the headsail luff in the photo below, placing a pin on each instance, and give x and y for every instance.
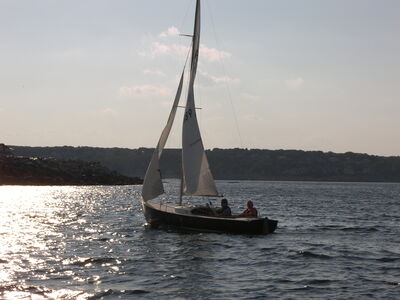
(152, 184)
(197, 177)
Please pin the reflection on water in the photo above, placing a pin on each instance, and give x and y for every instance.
(49, 234)
(334, 240)
(30, 240)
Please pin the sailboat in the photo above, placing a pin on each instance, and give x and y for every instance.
(196, 179)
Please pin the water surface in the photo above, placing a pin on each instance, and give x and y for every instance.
(334, 241)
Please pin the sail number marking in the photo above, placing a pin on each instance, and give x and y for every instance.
(188, 114)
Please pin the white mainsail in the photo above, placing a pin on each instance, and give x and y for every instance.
(152, 184)
(197, 177)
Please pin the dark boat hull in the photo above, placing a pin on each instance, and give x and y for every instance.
(161, 215)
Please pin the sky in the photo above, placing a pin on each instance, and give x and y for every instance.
(304, 74)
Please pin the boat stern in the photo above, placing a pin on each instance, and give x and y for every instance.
(269, 226)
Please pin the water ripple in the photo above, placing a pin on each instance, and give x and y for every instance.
(90, 243)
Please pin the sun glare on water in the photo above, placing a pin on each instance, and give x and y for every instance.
(29, 217)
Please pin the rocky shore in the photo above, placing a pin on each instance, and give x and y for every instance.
(17, 170)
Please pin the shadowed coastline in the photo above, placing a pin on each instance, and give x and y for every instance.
(238, 164)
(21, 170)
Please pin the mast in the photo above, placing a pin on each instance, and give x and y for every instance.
(181, 190)
(195, 45)
(197, 177)
(193, 70)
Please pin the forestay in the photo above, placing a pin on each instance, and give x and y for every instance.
(152, 184)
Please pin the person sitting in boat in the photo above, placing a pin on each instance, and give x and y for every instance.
(224, 210)
(250, 212)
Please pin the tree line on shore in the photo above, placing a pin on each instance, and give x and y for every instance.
(38, 170)
(237, 164)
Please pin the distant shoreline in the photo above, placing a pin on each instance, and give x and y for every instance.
(230, 181)
(38, 171)
(237, 164)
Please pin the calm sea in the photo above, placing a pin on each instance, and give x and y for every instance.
(334, 241)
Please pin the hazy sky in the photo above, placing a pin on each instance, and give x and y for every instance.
(310, 75)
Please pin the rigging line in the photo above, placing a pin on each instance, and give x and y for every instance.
(187, 57)
(188, 71)
(225, 74)
(181, 185)
(189, 4)
(184, 70)
(200, 115)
